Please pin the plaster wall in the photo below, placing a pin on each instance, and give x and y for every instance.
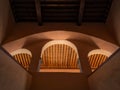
(6, 19)
(107, 77)
(12, 75)
(113, 21)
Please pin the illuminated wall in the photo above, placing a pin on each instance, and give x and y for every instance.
(12, 75)
(107, 77)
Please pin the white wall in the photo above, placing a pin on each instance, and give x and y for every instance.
(114, 19)
(4, 14)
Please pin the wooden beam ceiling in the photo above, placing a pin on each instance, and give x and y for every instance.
(60, 10)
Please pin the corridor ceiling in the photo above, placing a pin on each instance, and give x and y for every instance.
(60, 10)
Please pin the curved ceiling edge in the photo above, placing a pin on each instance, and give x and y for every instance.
(60, 35)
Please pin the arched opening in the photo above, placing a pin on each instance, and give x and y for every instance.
(97, 57)
(60, 56)
(23, 56)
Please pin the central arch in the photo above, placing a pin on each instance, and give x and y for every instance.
(59, 54)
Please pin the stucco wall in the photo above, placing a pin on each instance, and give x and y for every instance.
(107, 77)
(114, 19)
(12, 75)
(59, 81)
(5, 18)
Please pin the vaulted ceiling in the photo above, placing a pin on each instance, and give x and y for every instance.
(77, 11)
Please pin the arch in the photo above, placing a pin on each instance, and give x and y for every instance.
(64, 42)
(59, 54)
(23, 56)
(97, 57)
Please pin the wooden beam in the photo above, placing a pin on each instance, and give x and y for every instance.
(81, 10)
(38, 11)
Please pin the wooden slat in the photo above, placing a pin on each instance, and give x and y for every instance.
(64, 54)
(96, 60)
(101, 59)
(55, 47)
(59, 56)
(26, 62)
(75, 60)
(24, 59)
(47, 53)
(66, 59)
(48, 58)
(72, 60)
(92, 61)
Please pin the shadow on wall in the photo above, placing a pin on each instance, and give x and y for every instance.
(107, 77)
(12, 75)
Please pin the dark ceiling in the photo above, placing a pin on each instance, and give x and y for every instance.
(60, 10)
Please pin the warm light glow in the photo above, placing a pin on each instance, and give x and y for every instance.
(23, 56)
(97, 57)
(59, 54)
(99, 51)
(65, 42)
(61, 70)
(19, 51)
